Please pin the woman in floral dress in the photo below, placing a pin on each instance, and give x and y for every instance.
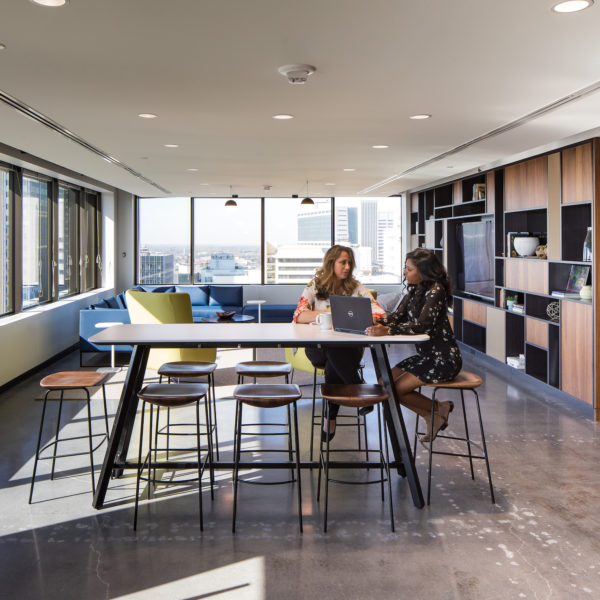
(424, 310)
(334, 277)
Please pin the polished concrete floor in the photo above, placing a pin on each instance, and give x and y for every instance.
(540, 540)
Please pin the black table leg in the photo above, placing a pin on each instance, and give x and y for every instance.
(396, 427)
(120, 436)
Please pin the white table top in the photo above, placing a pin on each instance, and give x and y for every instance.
(233, 334)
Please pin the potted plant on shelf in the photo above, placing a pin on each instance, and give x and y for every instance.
(510, 301)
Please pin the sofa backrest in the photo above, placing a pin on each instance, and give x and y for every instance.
(226, 295)
(198, 293)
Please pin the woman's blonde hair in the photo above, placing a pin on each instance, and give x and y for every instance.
(326, 283)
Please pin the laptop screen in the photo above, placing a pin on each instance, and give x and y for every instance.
(351, 313)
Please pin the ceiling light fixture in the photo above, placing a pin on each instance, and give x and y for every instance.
(171, 145)
(420, 117)
(147, 116)
(572, 6)
(349, 170)
(330, 184)
(283, 117)
(231, 201)
(52, 3)
(2, 46)
(192, 170)
(308, 201)
(381, 146)
(297, 74)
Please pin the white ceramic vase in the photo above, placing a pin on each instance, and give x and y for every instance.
(525, 246)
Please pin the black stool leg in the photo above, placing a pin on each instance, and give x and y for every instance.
(90, 439)
(297, 443)
(381, 462)
(211, 385)
(236, 460)
(140, 468)
(323, 403)
(485, 453)
(387, 472)
(207, 416)
(462, 398)
(62, 393)
(37, 450)
(312, 414)
(105, 411)
(431, 446)
(200, 466)
(326, 470)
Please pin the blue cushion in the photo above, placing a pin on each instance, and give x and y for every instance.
(121, 300)
(112, 302)
(226, 295)
(100, 304)
(164, 289)
(198, 293)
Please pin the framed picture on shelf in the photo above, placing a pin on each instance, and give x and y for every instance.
(578, 277)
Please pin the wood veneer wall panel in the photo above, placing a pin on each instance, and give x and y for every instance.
(577, 174)
(525, 274)
(495, 333)
(595, 278)
(576, 350)
(554, 185)
(536, 332)
(490, 192)
(474, 311)
(457, 192)
(451, 319)
(414, 202)
(526, 184)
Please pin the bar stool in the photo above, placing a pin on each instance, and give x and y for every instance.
(266, 396)
(194, 370)
(354, 396)
(170, 396)
(463, 382)
(61, 382)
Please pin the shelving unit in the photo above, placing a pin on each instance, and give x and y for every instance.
(551, 196)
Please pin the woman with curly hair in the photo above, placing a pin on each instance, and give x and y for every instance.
(334, 277)
(424, 309)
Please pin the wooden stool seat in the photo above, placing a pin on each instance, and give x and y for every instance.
(464, 380)
(185, 368)
(268, 395)
(173, 394)
(354, 395)
(65, 380)
(263, 368)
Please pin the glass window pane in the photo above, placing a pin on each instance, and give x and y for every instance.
(6, 243)
(296, 237)
(164, 240)
(89, 242)
(371, 226)
(35, 246)
(68, 214)
(227, 240)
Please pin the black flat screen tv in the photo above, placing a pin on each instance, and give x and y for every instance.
(476, 258)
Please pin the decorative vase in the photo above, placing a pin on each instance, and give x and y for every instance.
(587, 245)
(585, 293)
(510, 304)
(526, 245)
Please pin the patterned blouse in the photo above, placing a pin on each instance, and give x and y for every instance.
(309, 300)
(438, 359)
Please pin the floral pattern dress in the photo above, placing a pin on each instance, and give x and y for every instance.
(438, 359)
(309, 300)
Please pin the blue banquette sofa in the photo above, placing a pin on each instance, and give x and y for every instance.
(206, 301)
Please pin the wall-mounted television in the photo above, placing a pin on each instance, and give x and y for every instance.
(476, 258)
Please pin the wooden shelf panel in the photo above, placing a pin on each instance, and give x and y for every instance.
(526, 275)
(577, 174)
(526, 184)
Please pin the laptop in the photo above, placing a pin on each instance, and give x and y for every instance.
(351, 314)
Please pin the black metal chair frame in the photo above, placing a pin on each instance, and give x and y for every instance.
(54, 443)
(466, 438)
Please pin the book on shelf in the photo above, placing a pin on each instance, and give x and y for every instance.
(565, 294)
(578, 277)
(518, 308)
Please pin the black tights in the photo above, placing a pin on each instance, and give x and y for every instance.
(341, 366)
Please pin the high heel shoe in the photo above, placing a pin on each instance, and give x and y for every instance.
(325, 435)
(440, 420)
(365, 410)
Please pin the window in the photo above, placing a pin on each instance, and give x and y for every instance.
(68, 241)
(6, 243)
(371, 226)
(227, 240)
(296, 238)
(164, 240)
(35, 241)
(90, 253)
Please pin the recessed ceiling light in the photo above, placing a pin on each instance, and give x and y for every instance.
(572, 6)
(380, 146)
(192, 170)
(171, 145)
(349, 169)
(147, 116)
(330, 184)
(419, 117)
(50, 2)
(283, 117)
(2, 46)
(204, 184)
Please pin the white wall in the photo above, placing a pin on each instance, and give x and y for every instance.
(125, 250)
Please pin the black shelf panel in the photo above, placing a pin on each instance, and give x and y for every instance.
(443, 213)
(575, 219)
(499, 268)
(536, 362)
(535, 306)
(474, 335)
(558, 275)
(443, 195)
(458, 329)
(467, 187)
(554, 356)
(470, 208)
(515, 334)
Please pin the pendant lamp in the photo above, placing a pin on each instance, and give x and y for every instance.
(308, 201)
(231, 201)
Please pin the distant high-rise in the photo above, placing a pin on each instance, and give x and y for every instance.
(157, 267)
(368, 229)
(314, 227)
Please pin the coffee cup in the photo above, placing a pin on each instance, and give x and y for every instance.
(324, 320)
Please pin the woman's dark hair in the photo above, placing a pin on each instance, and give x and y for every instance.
(326, 283)
(431, 270)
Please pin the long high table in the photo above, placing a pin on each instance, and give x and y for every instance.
(243, 335)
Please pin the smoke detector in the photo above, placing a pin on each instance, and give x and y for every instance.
(267, 188)
(297, 73)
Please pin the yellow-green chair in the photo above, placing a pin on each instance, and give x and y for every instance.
(300, 362)
(149, 307)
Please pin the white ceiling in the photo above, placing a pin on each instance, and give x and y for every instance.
(208, 69)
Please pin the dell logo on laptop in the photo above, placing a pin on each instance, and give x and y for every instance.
(350, 313)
